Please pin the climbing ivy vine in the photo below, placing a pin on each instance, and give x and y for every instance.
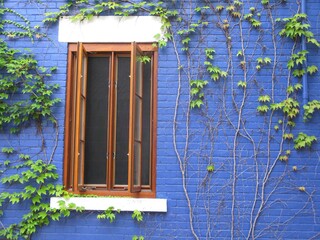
(247, 63)
(26, 98)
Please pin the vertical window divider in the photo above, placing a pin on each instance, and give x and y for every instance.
(131, 119)
(111, 123)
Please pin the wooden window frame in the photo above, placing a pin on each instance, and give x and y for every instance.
(72, 122)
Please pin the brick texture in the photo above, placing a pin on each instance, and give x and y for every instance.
(220, 197)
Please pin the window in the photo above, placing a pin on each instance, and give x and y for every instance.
(110, 134)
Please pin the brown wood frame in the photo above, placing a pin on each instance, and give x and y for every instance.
(135, 50)
(70, 172)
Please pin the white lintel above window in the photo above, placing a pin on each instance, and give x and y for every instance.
(122, 204)
(110, 29)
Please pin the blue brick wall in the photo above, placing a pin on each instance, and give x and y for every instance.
(216, 198)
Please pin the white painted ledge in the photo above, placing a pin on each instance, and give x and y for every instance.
(108, 29)
(123, 204)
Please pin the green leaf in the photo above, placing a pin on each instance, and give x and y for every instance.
(36, 199)
(263, 108)
(298, 86)
(248, 16)
(30, 189)
(242, 84)
(42, 215)
(219, 8)
(196, 103)
(290, 89)
(108, 214)
(264, 98)
(209, 53)
(137, 215)
(288, 136)
(267, 60)
(55, 216)
(312, 69)
(24, 156)
(14, 200)
(6, 163)
(240, 53)
(210, 168)
(7, 150)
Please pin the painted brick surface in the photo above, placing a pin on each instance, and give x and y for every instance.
(216, 198)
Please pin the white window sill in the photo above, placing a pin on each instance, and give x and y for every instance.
(122, 204)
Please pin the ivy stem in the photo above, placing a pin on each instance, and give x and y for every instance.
(182, 160)
(273, 79)
(237, 133)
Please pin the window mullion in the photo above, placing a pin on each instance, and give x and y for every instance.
(111, 124)
(131, 119)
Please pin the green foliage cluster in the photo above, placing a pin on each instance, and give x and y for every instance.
(297, 62)
(18, 29)
(36, 181)
(83, 10)
(137, 215)
(253, 17)
(197, 86)
(196, 92)
(262, 61)
(310, 108)
(295, 27)
(193, 27)
(109, 214)
(25, 97)
(215, 72)
(303, 140)
(21, 74)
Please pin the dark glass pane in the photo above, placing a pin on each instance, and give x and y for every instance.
(122, 120)
(137, 157)
(96, 120)
(80, 168)
(137, 121)
(146, 120)
(139, 78)
(81, 155)
(137, 142)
